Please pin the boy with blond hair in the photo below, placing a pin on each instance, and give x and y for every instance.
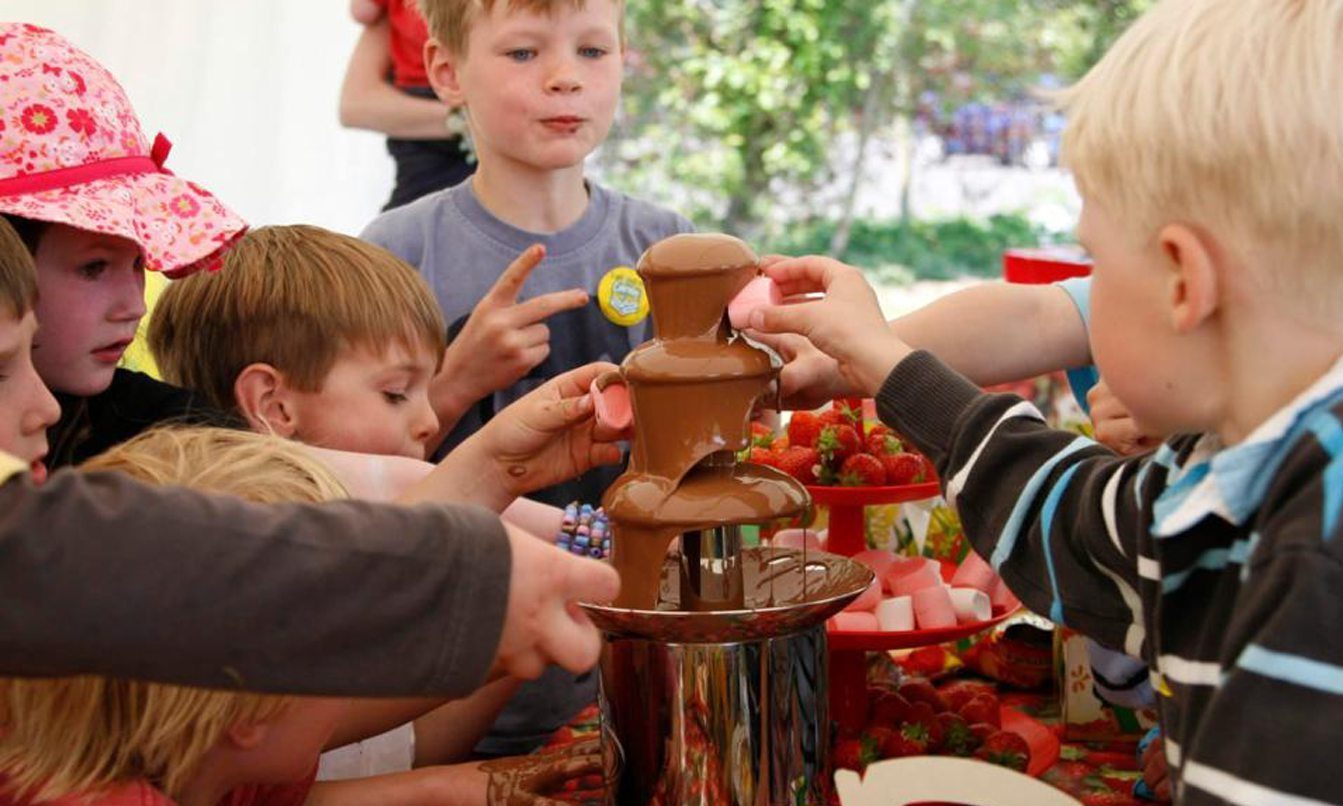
(311, 335)
(102, 740)
(539, 82)
(331, 341)
(1208, 150)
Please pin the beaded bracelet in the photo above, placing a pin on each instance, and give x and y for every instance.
(585, 531)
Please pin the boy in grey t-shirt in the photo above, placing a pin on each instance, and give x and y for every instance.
(540, 88)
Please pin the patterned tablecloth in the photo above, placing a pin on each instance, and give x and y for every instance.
(1096, 773)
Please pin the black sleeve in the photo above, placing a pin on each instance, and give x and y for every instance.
(135, 402)
(99, 574)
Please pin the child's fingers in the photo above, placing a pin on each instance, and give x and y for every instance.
(538, 309)
(505, 289)
(534, 335)
(786, 318)
(803, 275)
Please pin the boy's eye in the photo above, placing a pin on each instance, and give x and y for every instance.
(592, 52)
(521, 54)
(395, 398)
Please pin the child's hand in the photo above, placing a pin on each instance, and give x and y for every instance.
(503, 339)
(847, 324)
(809, 378)
(365, 12)
(543, 623)
(548, 436)
(1114, 427)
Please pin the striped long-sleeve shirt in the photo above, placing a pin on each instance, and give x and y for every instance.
(1221, 566)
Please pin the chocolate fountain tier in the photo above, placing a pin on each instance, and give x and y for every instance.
(706, 496)
(690, 279)
(786, 591)
(713, 384)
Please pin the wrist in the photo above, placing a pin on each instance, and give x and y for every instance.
(875, 364)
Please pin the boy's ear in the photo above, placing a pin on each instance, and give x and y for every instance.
(1191, 261)
(246, 735)
(441, 66)
(266, 400)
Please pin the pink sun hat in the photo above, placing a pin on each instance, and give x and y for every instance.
(72, 152)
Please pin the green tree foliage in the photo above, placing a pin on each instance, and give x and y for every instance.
(732, 103)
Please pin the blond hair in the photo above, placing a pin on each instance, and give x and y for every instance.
(450, 21)
(1224, 114)
(18, 277)
(66, 735)
(294, 297)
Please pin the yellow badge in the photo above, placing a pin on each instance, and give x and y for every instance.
(622, 297)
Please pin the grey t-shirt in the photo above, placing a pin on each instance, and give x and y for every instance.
(460, 248)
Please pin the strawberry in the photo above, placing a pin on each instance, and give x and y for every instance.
(837, 443)
(981, 708)
(918, 690)
(908, 741)
(800, 463)
(832, 417)
(929, 472)
(958, 692)
(883, 442)
(928, 660)
(761, 435)
(761, 456)
(862, 470)
(982, 730)
(780, 444)
(925, 716)
(803, 429)
(889, 708)
(850, 755)
(1005, 749)
(903, 468)
(848, 414)
(957, 738)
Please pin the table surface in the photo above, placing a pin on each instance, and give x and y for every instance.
(1096, 773)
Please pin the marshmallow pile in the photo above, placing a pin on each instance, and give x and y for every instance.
(909, 593)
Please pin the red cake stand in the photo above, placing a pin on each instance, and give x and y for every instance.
(848, 650)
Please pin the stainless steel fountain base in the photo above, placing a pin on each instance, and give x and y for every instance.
(715, 724)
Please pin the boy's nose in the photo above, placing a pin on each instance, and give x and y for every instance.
(42, 410)
(425, 425)
(564, 81)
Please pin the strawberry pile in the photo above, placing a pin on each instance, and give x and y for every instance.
(960, 719)
(835, 447)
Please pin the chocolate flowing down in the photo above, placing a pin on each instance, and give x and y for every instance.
(692, 388)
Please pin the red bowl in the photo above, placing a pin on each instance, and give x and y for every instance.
(866, 496)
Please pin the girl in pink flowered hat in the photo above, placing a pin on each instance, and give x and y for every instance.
(92, 200)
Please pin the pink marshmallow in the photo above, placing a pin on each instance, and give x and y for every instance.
(1002, 598)
(975, 573)
(971, 605)
(854, 621)
(868, 599)
(611, 405)
(902, 566)
(932, 608)
(926, 576)
(804, 539)
(896, 614)
(759, 293)
(879, 560)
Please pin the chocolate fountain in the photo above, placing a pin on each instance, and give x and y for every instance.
(713, 673)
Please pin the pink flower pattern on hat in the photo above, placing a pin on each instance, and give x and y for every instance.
(72, 152)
